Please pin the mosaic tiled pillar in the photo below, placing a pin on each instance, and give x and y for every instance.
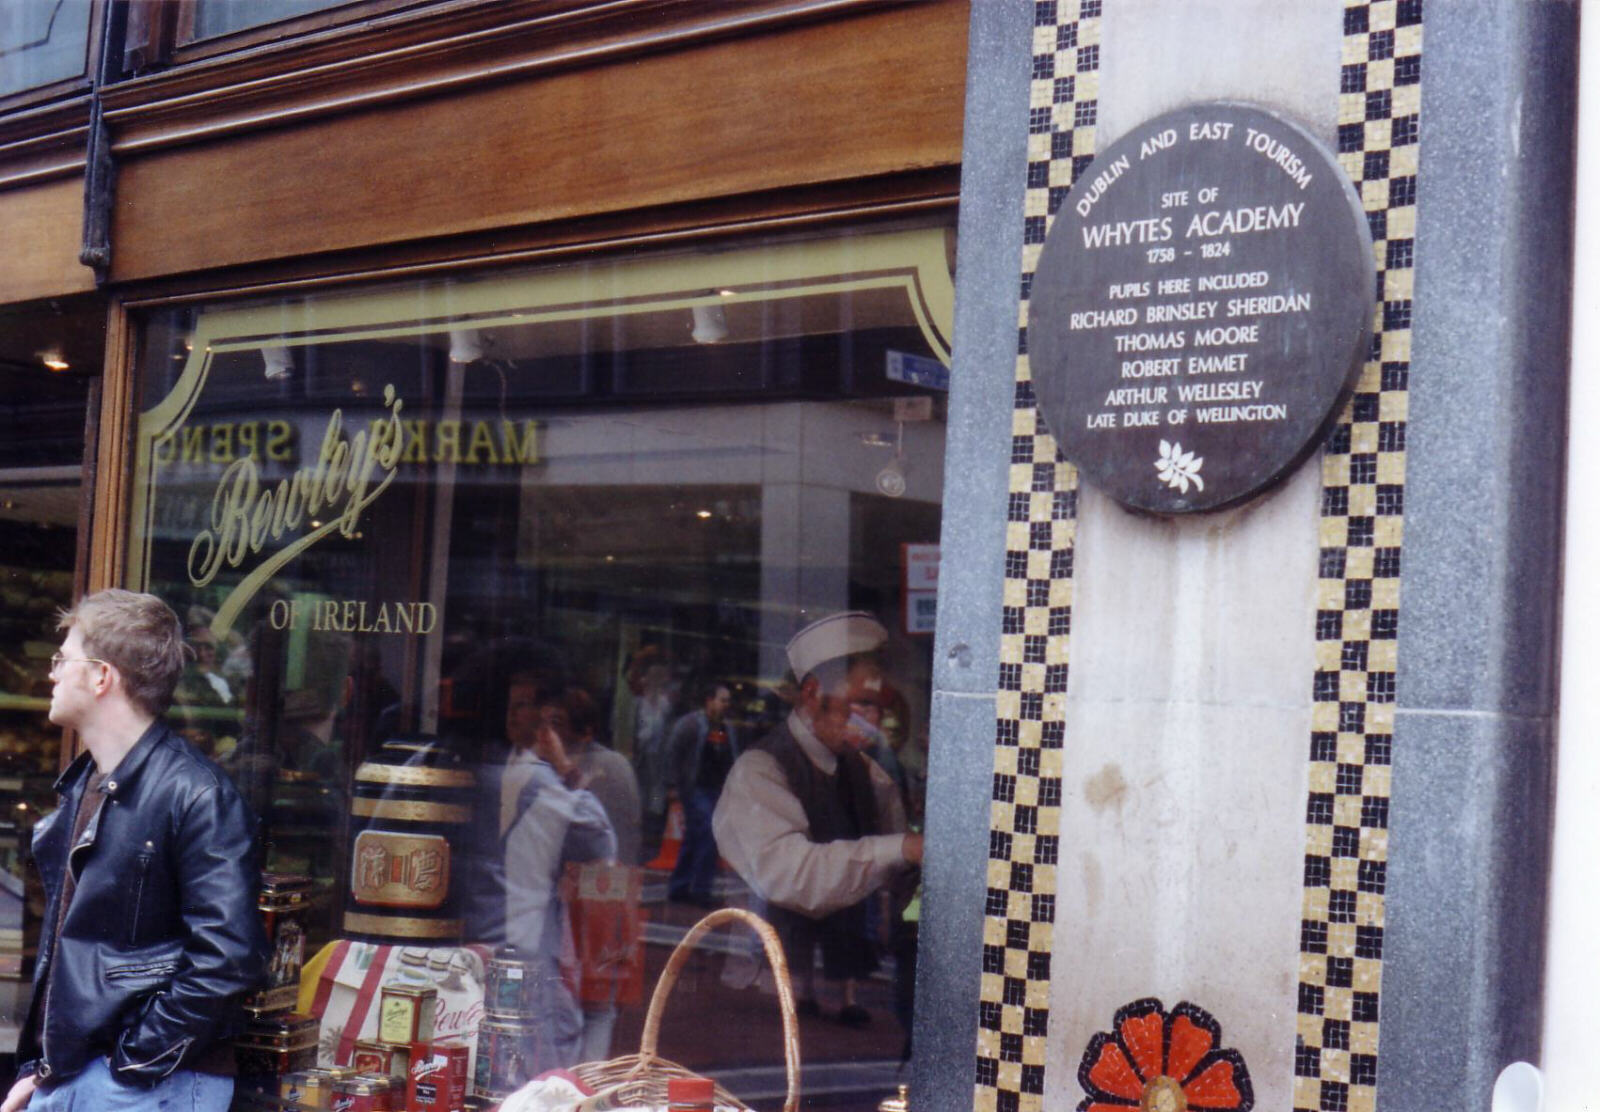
(1363, 496)
(1336, 1036)
(1018, 938)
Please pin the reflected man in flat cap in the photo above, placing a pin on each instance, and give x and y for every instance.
(812, 825)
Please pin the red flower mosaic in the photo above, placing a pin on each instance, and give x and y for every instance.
(1160, 1061)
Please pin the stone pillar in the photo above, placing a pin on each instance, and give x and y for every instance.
(1289, 764)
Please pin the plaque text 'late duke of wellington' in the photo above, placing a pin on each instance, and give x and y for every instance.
(1201, 308)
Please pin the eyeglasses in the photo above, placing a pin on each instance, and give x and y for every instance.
(57, 660)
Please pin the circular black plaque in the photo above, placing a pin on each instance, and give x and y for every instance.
(1201, 308)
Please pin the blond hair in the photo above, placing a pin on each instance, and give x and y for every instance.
(137, 634)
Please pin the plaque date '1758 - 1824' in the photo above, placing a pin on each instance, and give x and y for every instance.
(1201, 308)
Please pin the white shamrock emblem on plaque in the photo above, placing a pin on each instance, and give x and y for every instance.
(1178, 468)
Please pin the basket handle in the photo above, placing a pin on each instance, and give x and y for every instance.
(780, 970)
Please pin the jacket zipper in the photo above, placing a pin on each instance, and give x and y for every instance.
(144, 859)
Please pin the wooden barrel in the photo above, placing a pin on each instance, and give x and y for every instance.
(409, 818)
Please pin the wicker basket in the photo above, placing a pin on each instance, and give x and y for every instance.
(642, 1078)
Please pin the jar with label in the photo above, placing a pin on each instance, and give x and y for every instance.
(691, 1094)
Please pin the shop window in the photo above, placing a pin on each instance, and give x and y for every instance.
(221, 17)
(419, 531)
(42, 42)
(48, 353)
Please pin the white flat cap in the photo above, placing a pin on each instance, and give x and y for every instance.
(843, 634)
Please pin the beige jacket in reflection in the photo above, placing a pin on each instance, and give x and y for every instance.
(762, 831)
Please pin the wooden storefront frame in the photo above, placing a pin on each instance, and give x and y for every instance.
(862, 190)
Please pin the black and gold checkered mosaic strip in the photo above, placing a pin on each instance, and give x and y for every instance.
(1025, 811)
(1358, 592)
(1336, 1041)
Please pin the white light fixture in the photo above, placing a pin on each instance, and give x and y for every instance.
(279, 364)
(710, 324)
(892, 479)
(466, 345)
(53, 360)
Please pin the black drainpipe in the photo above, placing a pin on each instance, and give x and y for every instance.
(100, 169)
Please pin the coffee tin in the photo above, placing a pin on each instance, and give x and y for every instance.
(406, 1013)
(501, 1067)
(364, 1093)
(283, 903)
(508, 987)
(437, 1080)
(277, 1044)
(381, 1058)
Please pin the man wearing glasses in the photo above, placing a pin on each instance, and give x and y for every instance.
(150, 937)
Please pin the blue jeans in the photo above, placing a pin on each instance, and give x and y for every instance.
(696, 870)
(93, 1090)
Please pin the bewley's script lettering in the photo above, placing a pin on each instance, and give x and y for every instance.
(351, 471)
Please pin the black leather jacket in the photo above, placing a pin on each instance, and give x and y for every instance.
(162, 938)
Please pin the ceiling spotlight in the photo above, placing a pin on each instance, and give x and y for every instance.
(53, 360)
(892, 479)
(710, 324)
(702, 514)
(279, 364)
(466, 345)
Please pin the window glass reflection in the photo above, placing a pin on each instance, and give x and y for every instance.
(42, 41)
(494, 586)
(41, 453)
(220, 17)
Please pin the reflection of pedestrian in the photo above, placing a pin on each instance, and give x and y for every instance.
(541, 824)
(204, 669)
(653, 698)
(151, 938)
(570, 716)
(701, 751)
(601, 769)
(291, 762)
(813, 826)
(203, 693)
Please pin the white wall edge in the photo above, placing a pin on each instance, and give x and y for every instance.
(1572, 974)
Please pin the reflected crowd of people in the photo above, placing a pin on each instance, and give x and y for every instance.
(801, 802)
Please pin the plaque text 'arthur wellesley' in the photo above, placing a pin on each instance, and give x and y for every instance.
(1200, 307)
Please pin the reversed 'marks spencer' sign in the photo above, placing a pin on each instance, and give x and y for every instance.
(1201, 308)
(468, 442)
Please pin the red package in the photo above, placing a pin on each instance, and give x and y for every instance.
(437, 1078)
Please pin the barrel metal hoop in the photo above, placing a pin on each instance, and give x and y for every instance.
(409, 810)
(401, 926)
(415, 776)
